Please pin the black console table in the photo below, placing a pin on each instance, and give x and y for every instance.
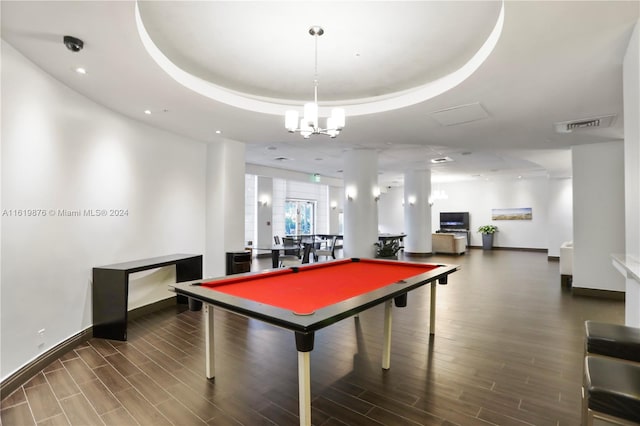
(111, 290)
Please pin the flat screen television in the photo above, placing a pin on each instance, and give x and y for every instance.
(454, 220)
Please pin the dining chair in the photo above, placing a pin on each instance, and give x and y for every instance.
(295, 246)
(329, 250)
(288, 255)
(306, 254)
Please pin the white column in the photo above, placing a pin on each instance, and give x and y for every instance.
(598, 215)
(224, 221)
(417, 212)
(360, 209)
(559, 214)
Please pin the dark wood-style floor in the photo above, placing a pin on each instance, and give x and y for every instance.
(507, 351)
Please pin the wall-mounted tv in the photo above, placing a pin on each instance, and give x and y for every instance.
(454, 220)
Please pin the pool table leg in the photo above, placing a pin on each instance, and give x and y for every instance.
(304, 387)
(209, 343)
(386, 350)
(432, 309)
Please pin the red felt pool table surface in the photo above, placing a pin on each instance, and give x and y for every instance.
(311, 287)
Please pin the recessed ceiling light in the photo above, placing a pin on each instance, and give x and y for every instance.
(319, 159)
(80, 70)
(218, 132)
(272, 148)
(441, 160)
(339, 171)
(147, 111)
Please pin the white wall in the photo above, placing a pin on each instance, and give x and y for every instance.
(391, 211)
(480, 197)
(265, 212)
(551, 200)
(560, 208)
(598, 219)
(62, 151)
(281, 189)
(631, 84)
(632, 144)
(250, 208)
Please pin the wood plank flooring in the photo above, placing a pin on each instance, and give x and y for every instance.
(507, 351)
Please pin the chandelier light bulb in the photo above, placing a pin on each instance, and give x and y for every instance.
(311, 114)
(338, 116)
(291, 120)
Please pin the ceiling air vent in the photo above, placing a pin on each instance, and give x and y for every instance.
(585, 124)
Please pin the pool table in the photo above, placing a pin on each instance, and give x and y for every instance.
(307, 298)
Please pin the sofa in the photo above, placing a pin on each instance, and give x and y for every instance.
(448, 243)
(566, 264)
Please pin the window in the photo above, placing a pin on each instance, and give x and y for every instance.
(299, 217)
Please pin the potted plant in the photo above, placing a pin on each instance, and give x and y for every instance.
(487, 232)
(387, 249)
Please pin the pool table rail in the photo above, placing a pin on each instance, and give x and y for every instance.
(321, 318)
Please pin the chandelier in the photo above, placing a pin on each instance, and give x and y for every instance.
(308, 124)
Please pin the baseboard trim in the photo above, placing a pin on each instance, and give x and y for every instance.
(602, 294)
(536, 250)
(24, 374)
(553, 258)
(417, 254)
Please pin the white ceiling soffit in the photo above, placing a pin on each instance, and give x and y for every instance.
(353, 107)
(460, 114)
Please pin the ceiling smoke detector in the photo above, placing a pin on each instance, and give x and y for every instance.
(585, 124)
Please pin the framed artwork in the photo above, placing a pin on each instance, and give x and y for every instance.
(525, 213)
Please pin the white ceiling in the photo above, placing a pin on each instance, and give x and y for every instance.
(554, 61)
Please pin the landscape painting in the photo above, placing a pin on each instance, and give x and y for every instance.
(525, 213)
